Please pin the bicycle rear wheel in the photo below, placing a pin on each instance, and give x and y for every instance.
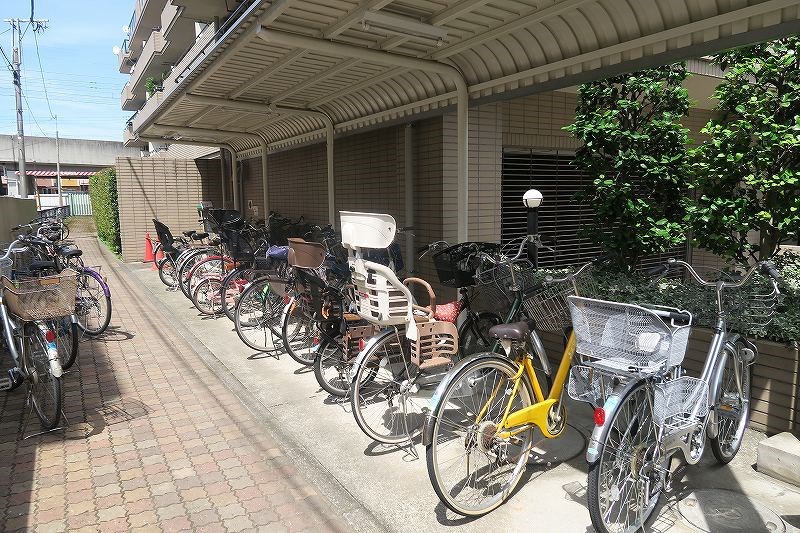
(44, 388)
(383, 394)
(471, 469)
(732, 405)
(624, 483)
(258, 317)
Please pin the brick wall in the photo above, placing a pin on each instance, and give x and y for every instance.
(167, 189)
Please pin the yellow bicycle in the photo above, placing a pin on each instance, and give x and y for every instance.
(480, 430)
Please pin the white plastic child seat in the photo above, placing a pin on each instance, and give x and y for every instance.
(367, 230)
(381, 298)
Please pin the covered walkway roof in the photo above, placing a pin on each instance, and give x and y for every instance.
(288, 71)
(365, 62)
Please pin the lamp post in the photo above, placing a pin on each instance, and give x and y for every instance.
(532, 199)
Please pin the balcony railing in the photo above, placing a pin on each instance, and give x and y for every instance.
(132, 24)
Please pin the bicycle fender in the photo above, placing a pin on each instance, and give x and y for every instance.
(427, 432)
(610, 407)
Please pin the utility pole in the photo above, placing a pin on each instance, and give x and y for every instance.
(58, 167)
(16, 27)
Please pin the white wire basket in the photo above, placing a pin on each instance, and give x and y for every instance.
(625, 337)
(680, 402)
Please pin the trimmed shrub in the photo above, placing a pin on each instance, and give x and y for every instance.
(105, 207)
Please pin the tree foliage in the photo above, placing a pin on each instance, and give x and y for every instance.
(748, 173)
(105, 207)
(634, 150)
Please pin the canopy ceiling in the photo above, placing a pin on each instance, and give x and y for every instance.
(283, 54)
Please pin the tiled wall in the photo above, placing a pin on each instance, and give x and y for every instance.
(167, 189)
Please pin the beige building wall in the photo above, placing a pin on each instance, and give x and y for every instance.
(166, 189)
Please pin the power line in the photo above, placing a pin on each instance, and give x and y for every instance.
(30, 112)
(41, 70)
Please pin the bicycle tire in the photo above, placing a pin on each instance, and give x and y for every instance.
(45, 388)
(166, 272)
(299, 332)
(206, 297)
(378, 377)
(187, 270)
(331, 354)
(99, 299)
(627, 421)
(257, 317)
(66, 339)
(729, 439)
(230, 295)
(483, 374)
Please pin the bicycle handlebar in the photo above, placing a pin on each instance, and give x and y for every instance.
(766, 267)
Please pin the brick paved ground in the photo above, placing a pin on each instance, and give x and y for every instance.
(155, 443)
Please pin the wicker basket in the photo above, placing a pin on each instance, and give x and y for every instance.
(42, 298)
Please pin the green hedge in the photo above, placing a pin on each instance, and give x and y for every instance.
(609, 284)
(105, 207)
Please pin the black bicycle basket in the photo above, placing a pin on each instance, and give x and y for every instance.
(456, 265)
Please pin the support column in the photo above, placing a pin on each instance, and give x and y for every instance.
(222, 177)
(235, 183)
(264, 181)
(409, 162)
(331, 183)
(462, 111)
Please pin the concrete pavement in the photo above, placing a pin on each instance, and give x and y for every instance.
(392, 484)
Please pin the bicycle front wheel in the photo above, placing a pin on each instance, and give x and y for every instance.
(207, 296)
(624, 483)
(43, 387)
(258, 317)
(166, 272)
(732, 405)
(299, 332)
(473, 335)
(332, 368)
(471, 469)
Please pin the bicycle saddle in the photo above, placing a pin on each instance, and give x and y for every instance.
(188, 233)
(199, 236)
(516, 331)
(70, 250)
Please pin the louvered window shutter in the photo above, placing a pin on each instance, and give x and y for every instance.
(561, 216)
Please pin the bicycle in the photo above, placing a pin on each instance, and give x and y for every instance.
(26, 306)
(414, 350)
(648, 411)
(479, 432)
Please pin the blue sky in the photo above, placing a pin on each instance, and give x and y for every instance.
(80, 71)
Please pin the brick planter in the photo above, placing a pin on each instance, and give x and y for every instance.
(775, 405)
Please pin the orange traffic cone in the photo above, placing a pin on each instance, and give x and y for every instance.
(148, 248)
